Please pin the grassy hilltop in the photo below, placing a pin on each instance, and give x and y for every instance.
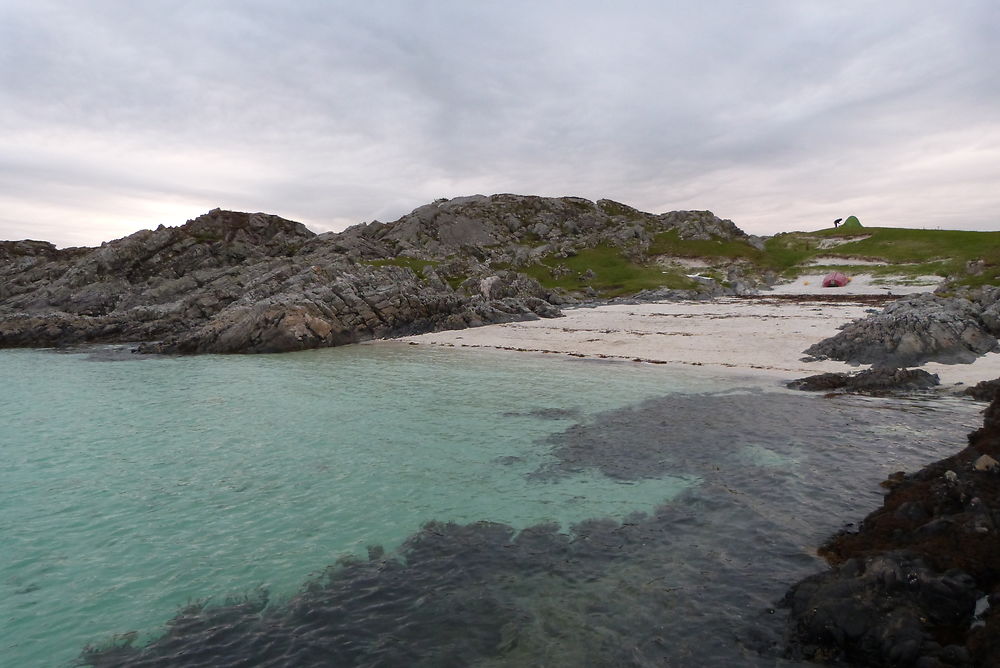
(970, 258)
(608, 249)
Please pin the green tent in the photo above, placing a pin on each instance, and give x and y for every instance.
(851, 222)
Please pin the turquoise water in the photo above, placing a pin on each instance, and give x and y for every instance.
(132, 488)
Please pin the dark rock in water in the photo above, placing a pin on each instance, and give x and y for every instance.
(238, 282)
(905, 587)
(870, 381)
(984, 391)
(918, 329)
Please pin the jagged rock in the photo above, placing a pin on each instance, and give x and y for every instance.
(703, 225)
(914, 330)
(880, 610)
(870, 381)
(240, 282)
(517, 229)
(984, 390)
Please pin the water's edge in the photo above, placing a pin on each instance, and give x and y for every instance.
(721, 499)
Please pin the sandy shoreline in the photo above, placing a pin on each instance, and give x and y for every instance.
(762, 337)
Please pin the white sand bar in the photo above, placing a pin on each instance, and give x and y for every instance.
(746, 336)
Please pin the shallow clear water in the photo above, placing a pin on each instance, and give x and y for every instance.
(133, 488)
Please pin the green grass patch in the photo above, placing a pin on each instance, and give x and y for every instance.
(909, 252)
(613, 208)
(989, 276)
(611, 273)
(940, 252)
(206, 237)
(783, 252)
(894, 244)
(413, 263)
(670, 243)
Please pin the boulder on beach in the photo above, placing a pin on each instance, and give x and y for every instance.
(918, 329)
(871, 381)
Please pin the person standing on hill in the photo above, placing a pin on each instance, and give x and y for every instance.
(837, 222)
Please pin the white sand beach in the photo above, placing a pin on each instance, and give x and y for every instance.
(764, 335)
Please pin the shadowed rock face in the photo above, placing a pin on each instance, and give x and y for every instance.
(238, 282)
(914, 330)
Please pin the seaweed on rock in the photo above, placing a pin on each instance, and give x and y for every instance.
(919, 582)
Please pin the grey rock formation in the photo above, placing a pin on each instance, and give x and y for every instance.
(238, 282)
(872, 381)
(918, 329)
(518, 229)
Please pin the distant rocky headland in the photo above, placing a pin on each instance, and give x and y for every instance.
(229, 282)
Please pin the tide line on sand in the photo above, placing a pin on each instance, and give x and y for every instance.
(759, 336)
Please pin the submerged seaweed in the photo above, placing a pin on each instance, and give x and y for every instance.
(459, 595)
(692, 583)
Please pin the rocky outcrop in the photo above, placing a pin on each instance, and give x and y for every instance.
(517, 229)
(239, 282)
(879, 611)
(919, 583)
(985, 390)
(918, 329)
(871, 381)
(357, 305)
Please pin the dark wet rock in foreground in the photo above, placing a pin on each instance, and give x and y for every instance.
(871, 381)
(985, 390)
(919, 583)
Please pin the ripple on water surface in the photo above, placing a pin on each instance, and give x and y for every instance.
(137, 488)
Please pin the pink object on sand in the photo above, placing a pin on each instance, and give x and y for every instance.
(835, 279)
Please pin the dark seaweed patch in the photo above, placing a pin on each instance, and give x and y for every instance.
(454, 595)
(693, 583)
(708, 435)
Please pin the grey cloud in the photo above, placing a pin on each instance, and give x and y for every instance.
(336, 112)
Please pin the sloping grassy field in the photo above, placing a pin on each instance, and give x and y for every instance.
(907, 251)
(607, 271)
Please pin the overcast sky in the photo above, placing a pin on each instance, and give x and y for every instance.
(116, 115)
